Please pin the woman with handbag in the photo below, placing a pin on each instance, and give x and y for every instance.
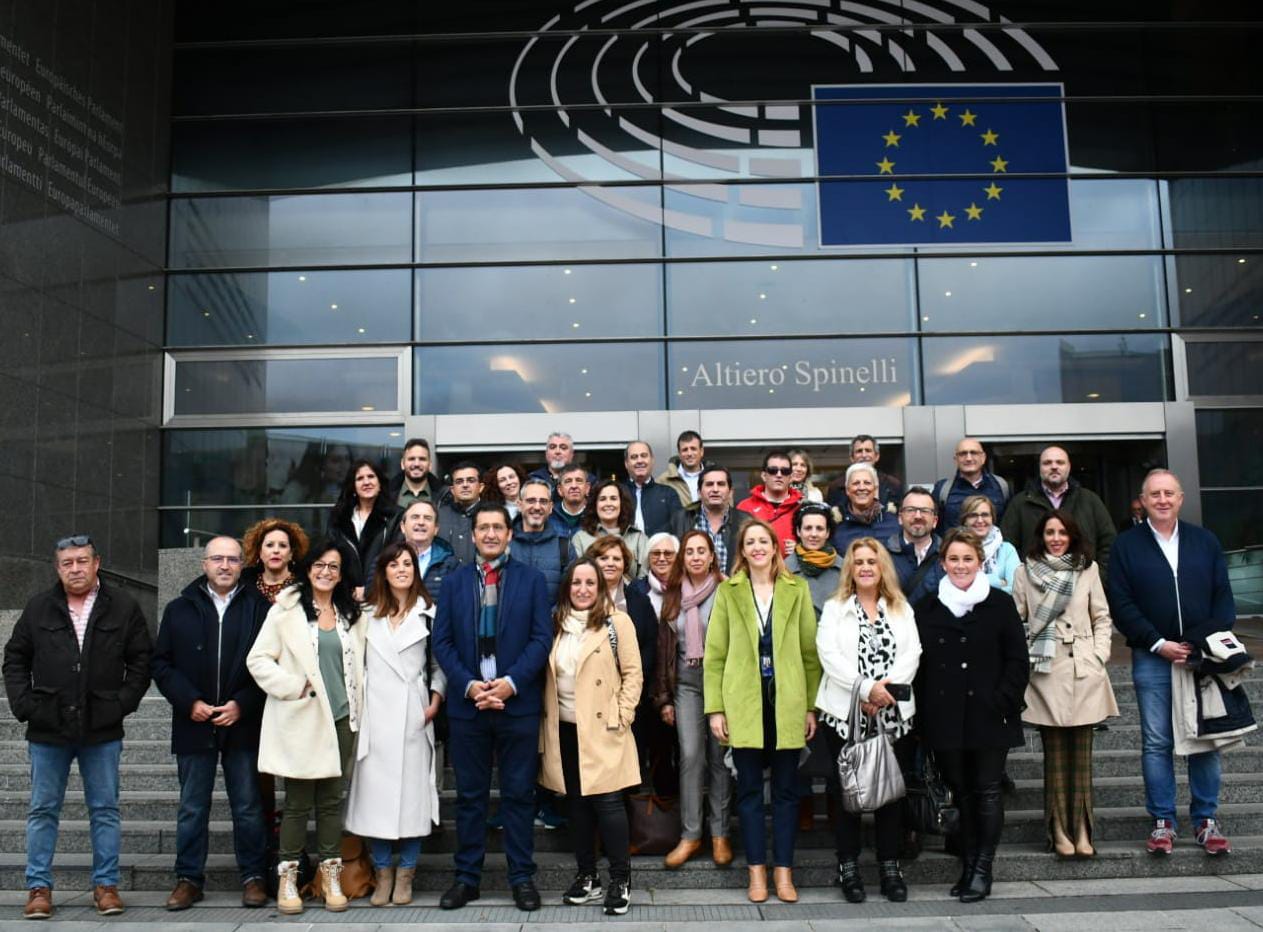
(1059, 595)
(592, 685)
(868, 646)
(687, 603)
(969, 686)
(760, 675)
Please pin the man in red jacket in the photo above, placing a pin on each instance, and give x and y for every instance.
(774, 501)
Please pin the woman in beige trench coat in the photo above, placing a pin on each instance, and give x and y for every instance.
(590, 698)
(1059, 595)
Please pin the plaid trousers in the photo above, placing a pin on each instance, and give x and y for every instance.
(1067, 779)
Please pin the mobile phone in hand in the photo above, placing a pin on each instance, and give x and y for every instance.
(901, 692)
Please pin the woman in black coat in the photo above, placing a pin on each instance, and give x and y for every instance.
(362, 518)
(969, 688)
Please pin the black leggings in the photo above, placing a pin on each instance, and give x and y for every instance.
(888, 820)
(601, 812)
(974, 776)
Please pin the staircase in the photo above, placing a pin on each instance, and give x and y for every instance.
(150, 795)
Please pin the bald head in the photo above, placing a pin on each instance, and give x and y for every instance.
(222, 564)
(1054, 468)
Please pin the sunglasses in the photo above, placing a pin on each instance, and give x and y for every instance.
(778, 470)
(75, 540)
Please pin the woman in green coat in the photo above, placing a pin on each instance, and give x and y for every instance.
(760, 675)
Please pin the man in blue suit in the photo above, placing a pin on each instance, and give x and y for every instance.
(492, 635)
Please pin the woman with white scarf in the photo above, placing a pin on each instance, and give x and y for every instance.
(969, 686)
(662, 550)
(1059, 595)
(1000, 560)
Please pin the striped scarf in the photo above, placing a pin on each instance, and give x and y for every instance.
(489, 574)
(1053, 578)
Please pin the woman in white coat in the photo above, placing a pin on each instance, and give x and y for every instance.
(867, 642)
(394, 792)
(309, 659)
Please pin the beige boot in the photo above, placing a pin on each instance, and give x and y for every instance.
(331, 880)
(758, 883)
(403, 886)
(383, 884)
(287, 899)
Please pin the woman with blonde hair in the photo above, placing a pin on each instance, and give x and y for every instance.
(1000, 560)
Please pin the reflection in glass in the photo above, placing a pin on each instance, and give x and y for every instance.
(1039, 370)
(539, 302)
(194, 527)
(792, 373)
(289, 307)
(286, 386)
(1218, 213)
(1236, 518)
(1234, 368)
(1239, 430)
(296, 230)
(511, 379)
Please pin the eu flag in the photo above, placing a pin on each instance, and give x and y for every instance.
(990, 136)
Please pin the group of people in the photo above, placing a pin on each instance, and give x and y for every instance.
(559, 626)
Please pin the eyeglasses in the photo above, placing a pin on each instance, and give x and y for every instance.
(916, 510)
(979, 516)
(536, 501)
(661, 554)
(778, 470)
(962, 454)
(75, 540)
(333, 569)
(224, 558)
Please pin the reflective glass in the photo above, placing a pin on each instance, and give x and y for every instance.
(1237, 520)
(286, 386)
(539, 302)
(273, 465)
(792, 373)
(1229, 368)
(194, 527)
(1239, 430)
(1218, 213)
(1035, 370)
(512, 379)
(298, 230)
(289, 307)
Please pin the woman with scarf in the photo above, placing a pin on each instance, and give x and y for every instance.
(969, 686)
(862, 512)
(1059, 595)
(663, 548)
(801, 471)
(814, 558)
(1000, 562)
(687, 601)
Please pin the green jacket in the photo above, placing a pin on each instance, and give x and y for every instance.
(731, 665)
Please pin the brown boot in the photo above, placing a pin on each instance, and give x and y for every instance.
(107, 900)
(39, 903)
(403, 885)
(678, 856)
(254, 895)
(185, 894)
(758, 883)
(721, 850)
(383, 886)
(784, 879)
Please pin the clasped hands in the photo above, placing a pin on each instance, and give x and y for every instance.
(490, 694)
(219, 715)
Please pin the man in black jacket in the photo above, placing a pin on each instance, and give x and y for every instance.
(76, 665)
(199, 664)
(655, 504)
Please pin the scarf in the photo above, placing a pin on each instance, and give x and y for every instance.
(489, 611)
(657, 589)
(694, 632)
(961, 602)
(619, 597)
(991, 549)
(868, 515)
(572, 628)
(1053, 579)
(270, 591)
(814, 562)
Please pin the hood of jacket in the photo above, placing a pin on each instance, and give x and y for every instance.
(792, 500)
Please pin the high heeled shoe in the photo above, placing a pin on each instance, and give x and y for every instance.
(1083, 843)
(979, 886)
(1063, 847)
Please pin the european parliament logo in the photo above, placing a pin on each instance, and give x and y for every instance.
(991, 138)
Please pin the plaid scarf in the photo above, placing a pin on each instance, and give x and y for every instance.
(489, 575)
(1053, 578)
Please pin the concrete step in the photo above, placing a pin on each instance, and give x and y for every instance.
(1029, 765)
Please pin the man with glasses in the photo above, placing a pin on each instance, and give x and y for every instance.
(199, 664)
(915, 549)
(457, 504)
(76, 664)
(536, 540)
(775, 501)
(971, 478)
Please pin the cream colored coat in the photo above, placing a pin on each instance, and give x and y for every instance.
(605, 706)
(298, 738)
(1076, 691)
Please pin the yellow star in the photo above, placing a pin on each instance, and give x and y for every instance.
(999, 165)
(945, 220)
(989, 138)
(993, 191)
(967, 118)
(892, 139)
(895, 193)
(911, 118)
(916, 212)
(885, 165)
(974, 211)
(939, 111)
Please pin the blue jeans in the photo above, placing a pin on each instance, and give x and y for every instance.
(380, 850)
(785, 795)
(1152, 676)
(50, 769)
(192, 826)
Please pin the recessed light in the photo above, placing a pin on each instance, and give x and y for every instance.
(925, 320)
(863, 389)
(360, 329)
(1142, 315)
(1188, 290)
(762, 296)
(973, 265)
(206, 313)
(587, 394)
(754, 320)
(583, 371)
(395, 433)
(1239, 262)
(575, 325)
(249, 336)
(333, 307)
(565, 271)
(947, 294)
(684, 368)
(679, 391)
(1094, 394)
(367, 408)
(771, 391)
(773, 267)
(572, 300)
(302, 278)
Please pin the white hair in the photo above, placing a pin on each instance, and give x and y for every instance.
(861, 467)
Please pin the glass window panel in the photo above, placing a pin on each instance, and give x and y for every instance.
(1239, 430)
(1218, 213)
(1200, 59)
(272, 465)
(1195, 137)
(249, 19)
(511, 379)
(1237, 520)
(284, 386)
(194, 527)
(223, 156)
(1229, 368)
(792, 373)
(289, 307)
(554, 223)
(539, 302)
(1034, 370)
(298, 230)
(790, 297)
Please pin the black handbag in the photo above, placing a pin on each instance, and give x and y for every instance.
(929, 806)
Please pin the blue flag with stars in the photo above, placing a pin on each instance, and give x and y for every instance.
(989, 136)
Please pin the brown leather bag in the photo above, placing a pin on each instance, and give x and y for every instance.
(654, 823)
(357, 871)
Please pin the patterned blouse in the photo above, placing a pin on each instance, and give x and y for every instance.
(876, 656)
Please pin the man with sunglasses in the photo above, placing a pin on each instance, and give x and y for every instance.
(76, 665)
(775, 501)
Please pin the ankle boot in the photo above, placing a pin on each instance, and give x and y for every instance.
(287, 899)
(966, 869)
(383, 885)
(979, 886)
(402, 895)
(758, 883)
(851, 881)
(785, 890)
(331, 881)
(893, 887)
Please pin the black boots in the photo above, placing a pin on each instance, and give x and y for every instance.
(852, 883)
(893, 887)
(966, 870)
(979, 885)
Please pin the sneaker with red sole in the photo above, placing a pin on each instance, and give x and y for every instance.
(1162, 838)
(1211, 839)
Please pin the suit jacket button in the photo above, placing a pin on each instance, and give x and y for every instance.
(598, 714)
(598, 682)
(969, 692)
(963, 639)
(964, 666)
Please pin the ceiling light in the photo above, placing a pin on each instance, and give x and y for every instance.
(1094, 394)
(973, 265)
(367, 408)
(333, 307)
(575, 325)
(754, 320)
(302, 278)
(947, 294)
(1188, 290)
(1239, 262)
(361, 329)
(773, 267)
(565, 271)
(395, 433)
